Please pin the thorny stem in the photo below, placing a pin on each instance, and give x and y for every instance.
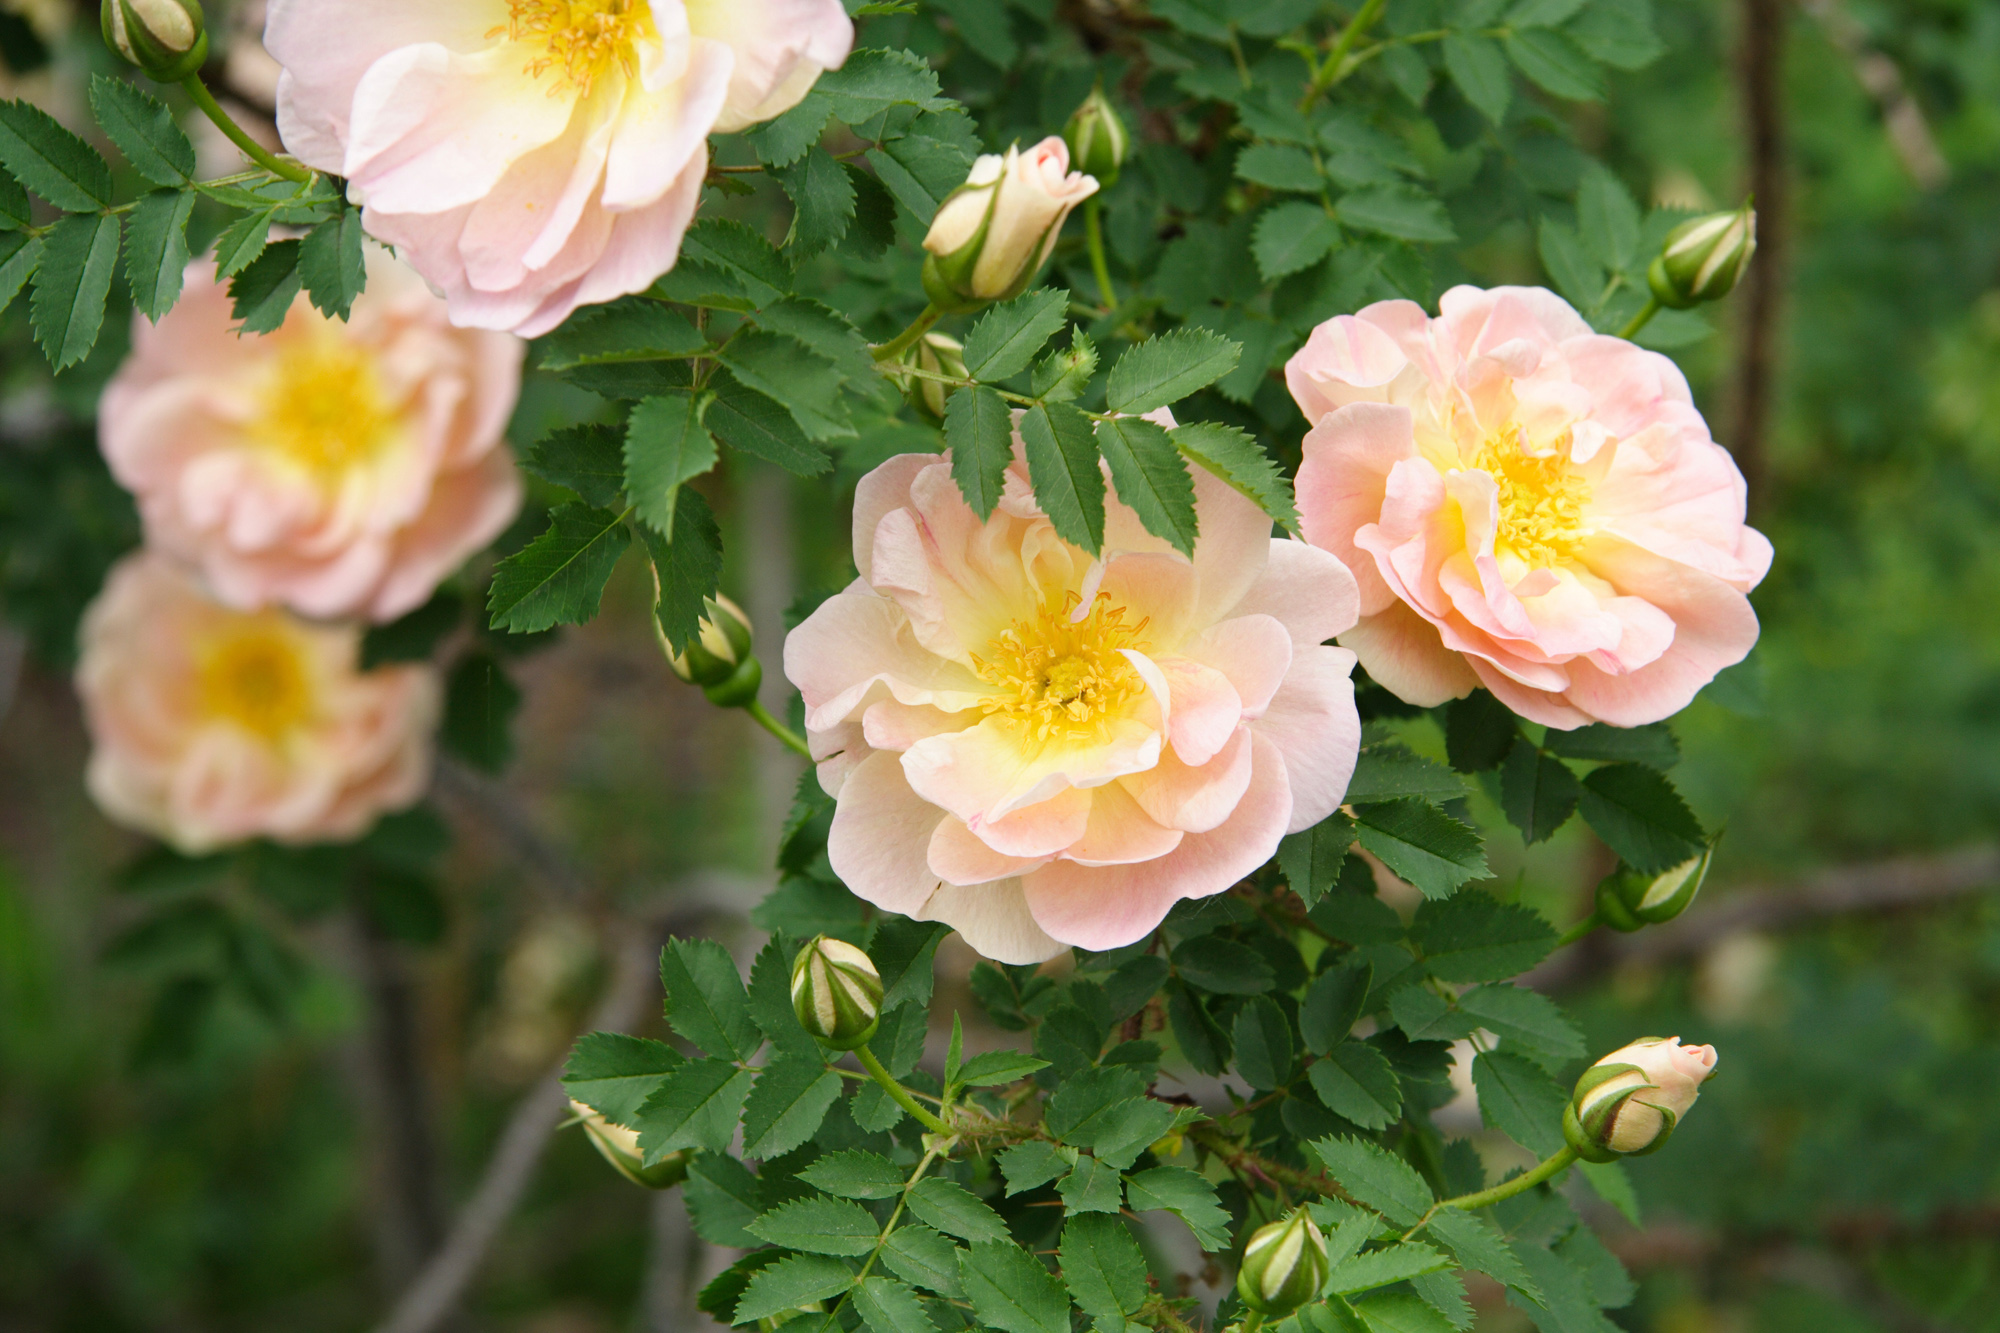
(1646, 312)
(898, 1093)
(790, 739)
(903, 341)
(1578, 931)
(1093, 232)
(255, 151)
(1330, 73)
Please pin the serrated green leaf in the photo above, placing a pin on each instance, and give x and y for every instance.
(1292, 237)
(782, 141)
(1424, 1015)
(1614, 1187)
(1102, 1266)
(1400, 1312)
(1379, 1268)
(1223, 966)
(1008, 336)
(628, 330)
(1520, 1101)
(1280, 167)
(1376, 1177)
(588, 459)
(1333, 1005)
(1161, 371)
(1479, 68)
(695, 1106)
(332, 264)
(751, 423)
(1538, 791)
(1091, 1187)
(1607, 217)
(1385, 772)
(822, 201)
(1063, 466)
(740, 251)
(1640, 816)
(558, 578)
(1179, 1191)
(242, 241)
(792, 374)
(1476, 937)
(1032, 1164)
(1477, 1246)
(887, 1306)
(1653, 745)
(1575, 274)
(1565, 1304)
(1421, 844)
(871, 81)
(689, 567)
(770, 995)
(1010, 1290)
(923, 1258)
(1238, 459)
(262, 294)
(1263, 1042)
(819, 1225)
(1149, 476)
(1395, 210)
(994, 1068)
(855, 1174)
(666, 444)
(19, 257)
(42, 155)
(723, 1199)
(795, 1280)
(948, 1207)
(614, 1074)
(980, 431)
(72, 280)
(706, 1002)
(1445, 1293)
(792, 1096)
(1525, 1018)
(1311, 859)
(15, 212)
(144, 131)
(1355, 1080)
(1555, 62)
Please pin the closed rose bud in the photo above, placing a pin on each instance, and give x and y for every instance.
(1628, 1103)
(938, 355)
(993, 234)
(1284, 1266)
(719, 658)
(1097, 138)
(168, 39)
(1628, 900)
(837, 993)
(1703, 258)
(620, 1147)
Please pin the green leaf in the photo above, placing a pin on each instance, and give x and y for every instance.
(1008, 336)
(1445, 1293)
(1396, 210)
(819, 1225)
(1280, 167)
(1376, 1177)
(15, 212)
(822, 201)
(1609, 221)
(1223, 966)
(1424, 1015)
(723, 1199)
(1161, 371)
(1263, 1041)
(948, 1207)
(614, 1074)
(887, 1306)
(1010, 1290)
(1653, 745)
(980, 431)
(696, 1106)
(786, 370)
(705, 999)
(1379, 1268)
(1311, 859)
(144, 131)
(1565, 1304)
(1479, 730)
(1124, 1130)
(1477, 1246)
(479, 706)
(1332, 1006)
(242, 241)
(741, 252)
(1355, 1080)
(558, 578)
(795, 1280)
(1091, 1187)
(1179, 1191)
(1102, 1266)
(689, 566)
(588, 459)
(1641, 817)
(922, 1257)
(855, 1175)
(1520, 1101)
(1537, 791)
(823, 329)
(792, 1096)
(751, 423)
(1387, 771)
(1525, 1018)
(1082, 1099)
(1574, 272)
(19, 257)
(413, 637)
(1479, 68)
(1032, 1164)
(1555, 62)
(872, 81)
(1476, 937)
(1238, 459)
(994, 1068)
(905, 952)
(1422, 844)
(1292, 237)
(627, 330)
(332, 265)
(782, 141)
(1400, 1312)
(665, 445)
(1614, 1187)
(1149, 476)
(79, 255)
(1062, 464)
(48, 159)
(156, 250)
(262, 294)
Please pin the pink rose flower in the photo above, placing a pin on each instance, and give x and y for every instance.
(537, 155)
(1042, 749)
(340, 469)
(992, 236)
(1527, 505)
(212, 726)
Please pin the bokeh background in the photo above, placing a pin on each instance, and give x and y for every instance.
(257, 1094)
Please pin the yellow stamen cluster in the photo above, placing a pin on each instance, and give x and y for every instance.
(1059, 677)
(581, 38)
(253, 676)
(325, 406)
(1541, 499)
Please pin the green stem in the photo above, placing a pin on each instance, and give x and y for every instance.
(255, 151)
(790, 739)
(903, 341)
(1093, 232)
(898, 1093)
(1577, 931)
(1507, 1189)
(1646, 312)
(1329, 73)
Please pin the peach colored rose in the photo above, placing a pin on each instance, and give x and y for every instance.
(992, 236)
(1527, 505)
(212, 726)
(1669, 1078)
(339, 469)
(1042, 749)
(531, 156)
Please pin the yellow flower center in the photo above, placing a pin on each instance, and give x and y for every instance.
(582, 39)
(254, 676)
(1062, 678)
(1541, 499)
(325, 406)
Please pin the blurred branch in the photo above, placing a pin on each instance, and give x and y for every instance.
(503, 815)
(1878, 886)
(1902, 119)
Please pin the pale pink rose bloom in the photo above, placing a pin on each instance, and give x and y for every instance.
(212, 726)
(532, 156)
(1022, 200)
(1670, 1075)
(1527, 505)
(339, 469)
(1042, 749)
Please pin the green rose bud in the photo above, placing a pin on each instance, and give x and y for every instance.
(620, 1147)
(1628, 900)
(1703, 258)
(1098, 140)
(719, 659)
(837, 993)
(939, 355)
(1627, 1104)
(168, 39)
(1284, 1266)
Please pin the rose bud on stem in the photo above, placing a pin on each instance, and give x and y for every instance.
(719, 660)
(993, 234)
(1098, 140)
(1628, 1103)
(168, 39)
(935, 354)
(620, 1147)
(1284, 1266)
(1703, 258)
(1629, 901)
(837, 993)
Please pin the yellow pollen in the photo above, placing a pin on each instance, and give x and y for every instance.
(325, 406)
(1541, 499)
(253, 676)
(582, 39)
(1061, 679)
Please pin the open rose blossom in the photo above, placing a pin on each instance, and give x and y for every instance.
(1527, 505)
(1041, 749)
(339, 469)
(531, 156)
(212, 726)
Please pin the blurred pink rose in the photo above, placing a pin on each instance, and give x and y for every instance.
(339, 469)
(532, 156)
(212, 726)
(1042, 749)
(1527, 505)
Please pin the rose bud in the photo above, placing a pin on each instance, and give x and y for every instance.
(1628, 900)
(939, 355)
(993, 234)
(1097, 138)
(1627, 1104)
(719, 659)
(1703, 258)
(837, 993)
(168, 39)
(620, 1147)
(1284, 1266)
